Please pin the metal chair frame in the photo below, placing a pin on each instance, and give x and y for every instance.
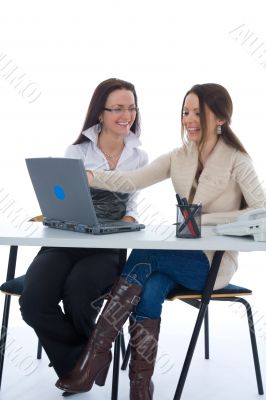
(201, 302)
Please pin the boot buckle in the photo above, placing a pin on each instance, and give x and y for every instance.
(135, 300)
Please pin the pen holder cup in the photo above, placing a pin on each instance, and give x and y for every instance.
(188, 222)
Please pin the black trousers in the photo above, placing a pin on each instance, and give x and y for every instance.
(77, 277)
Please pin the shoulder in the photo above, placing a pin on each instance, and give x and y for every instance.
(132, 144)
(231, 151)
(226, 157)
(241, 160)
(242, 166)
(184, 151)
(143, 157)
(77, 150)
(244, 157)
(81, 149)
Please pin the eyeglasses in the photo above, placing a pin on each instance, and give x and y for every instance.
(120, 111)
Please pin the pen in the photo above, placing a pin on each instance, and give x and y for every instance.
(178, 198)
(192, 224)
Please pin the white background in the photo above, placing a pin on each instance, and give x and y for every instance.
(164, 47)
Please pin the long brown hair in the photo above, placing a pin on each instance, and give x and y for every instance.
(98, 101)
(217, 98)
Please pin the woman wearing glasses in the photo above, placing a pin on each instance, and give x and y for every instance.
(212, 167)
(78, 277)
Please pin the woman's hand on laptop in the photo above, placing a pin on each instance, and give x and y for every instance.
(90, 176)
(129, 219)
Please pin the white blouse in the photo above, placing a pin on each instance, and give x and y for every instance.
(131, 158)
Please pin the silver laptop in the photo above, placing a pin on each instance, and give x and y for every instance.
(64, 196)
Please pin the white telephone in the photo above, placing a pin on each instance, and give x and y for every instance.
(253, 214)
(252, 222)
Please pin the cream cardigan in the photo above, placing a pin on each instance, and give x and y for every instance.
(227, 175)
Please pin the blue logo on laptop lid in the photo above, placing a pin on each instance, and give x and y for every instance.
(59, 192)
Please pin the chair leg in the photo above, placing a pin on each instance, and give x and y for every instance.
(252, 337)
(116, 367)
(10, 275)
(190, 351)
(206, 335)
(253, 344)
(208, 289)
(39, 350)
(4, 334)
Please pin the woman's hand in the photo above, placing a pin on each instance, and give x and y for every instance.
(90, 176)
(129, 219)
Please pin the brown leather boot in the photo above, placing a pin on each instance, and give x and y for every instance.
(143, 346)
(94, 363)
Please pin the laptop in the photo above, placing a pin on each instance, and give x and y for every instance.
(64, 196)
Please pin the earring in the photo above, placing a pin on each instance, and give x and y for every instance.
(219, 129)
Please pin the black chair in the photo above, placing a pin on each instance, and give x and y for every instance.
(229, 293)
(14, 287)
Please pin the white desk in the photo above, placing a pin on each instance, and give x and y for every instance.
(153, 237)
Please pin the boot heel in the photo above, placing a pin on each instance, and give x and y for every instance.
(102, 375)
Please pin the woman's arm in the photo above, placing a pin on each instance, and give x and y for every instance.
(131, 214)
(132, 181)
(244, 173)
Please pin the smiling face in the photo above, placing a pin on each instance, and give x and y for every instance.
(121, 113)
(191, 120)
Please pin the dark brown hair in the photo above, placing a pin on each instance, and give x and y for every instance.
(217, 98)
(98, 102)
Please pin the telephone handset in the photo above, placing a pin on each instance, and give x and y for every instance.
(251, 215)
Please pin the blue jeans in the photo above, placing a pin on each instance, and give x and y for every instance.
(159, 271)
